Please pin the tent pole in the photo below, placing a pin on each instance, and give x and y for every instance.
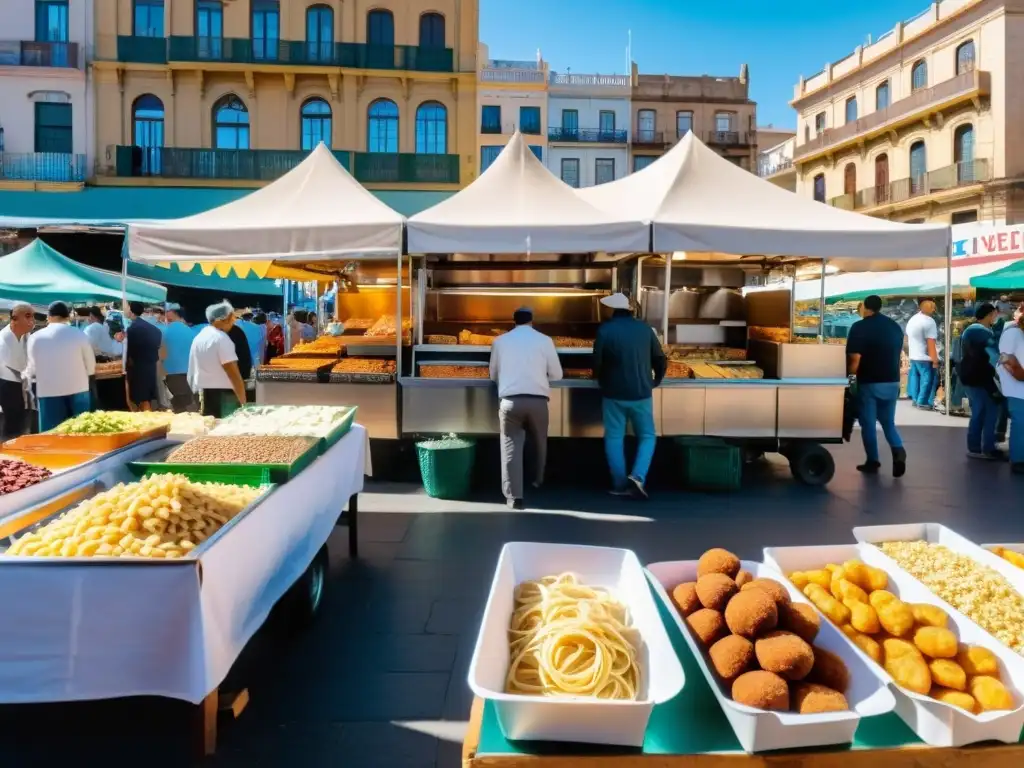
(398, 321)
(949, 332)
(821, 307)
(124, 303)
(668, 291)
(284, 318)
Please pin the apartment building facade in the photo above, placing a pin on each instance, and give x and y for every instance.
(46, 110)
(718, 109)
(512, 94)
(922, 123)
(588, 132)
(775, 156)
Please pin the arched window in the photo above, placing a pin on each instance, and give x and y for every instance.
(316, 124)
(320, 33)
(431, 30)
(963, 153)
(851, 109)
(819, 187)
(881, 179)
(380, 27)
(918, 168)
(850, 180)
(148, 133)
(382, 133)
(919, 76)
(882, 96)
(266, 29)
(230, 123)
(431, 129)
(965, 57)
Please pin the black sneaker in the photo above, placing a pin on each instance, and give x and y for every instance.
(1018, 468)
(636, 488)
(620, 492)
(977, 455)
(869, 467)
(516, 504)
(996, 455)
(899, 462)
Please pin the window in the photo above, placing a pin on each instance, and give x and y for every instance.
(148, 18)
(918, 168)
(53, 127)
(431, 30)
(320, 33)
(964, 217)
(963, 153)
(52, 21)
(538, 151)
(723, 122)
(851, 109)
(881, 179)
(432, 129)
(490, 119)
(209, 29)
(571, 171)
(882, 96)
(807, 133)
(380, 28)
(642, 161)
(604, 170)
(645, 123)
(316, 123)
(606, 124)
(230, 123)
(965, 57)
(919, 76)
(487, 156)
(529, 120)
(684, 123)
(850, 179)
(382, 133)
(570, 123)
(266, 29)
(819, 123)
(819, 187)
(148, 132)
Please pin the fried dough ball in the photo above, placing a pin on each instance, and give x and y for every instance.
(896, 618)
(707, 625)
(685, 598)
(785, 654)
(863, 617)
(977, 660)
(718, 561)
(829, 670)
(880, 597)
(956, 698)
(777, 592)
(865, 576)
(936, 642)
(929, 615)
(990, 693)
(867, 644)
(847, 590)
(948, 674)
(743, 577)
(812, 698)
(731, 656)
(751, 613)
(800, 619)
(762, 690)
(909, 671)
(894, 647)
(714, 590)
(835, 611)
(822, 577)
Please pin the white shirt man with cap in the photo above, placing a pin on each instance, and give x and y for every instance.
(523, 364)
(213, 364)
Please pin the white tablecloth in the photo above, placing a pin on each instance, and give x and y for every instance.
(95, 631)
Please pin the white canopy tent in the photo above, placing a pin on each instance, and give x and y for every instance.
(518, 206)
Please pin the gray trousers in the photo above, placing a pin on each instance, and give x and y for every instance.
(182, 397)
(518, 416)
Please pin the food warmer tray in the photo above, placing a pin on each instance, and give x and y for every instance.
(277, 473)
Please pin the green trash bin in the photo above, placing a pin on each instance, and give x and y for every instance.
(710, 463)
(446, 466)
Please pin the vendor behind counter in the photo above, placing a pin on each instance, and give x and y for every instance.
(213, 365)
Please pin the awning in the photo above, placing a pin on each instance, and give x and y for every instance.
(1008, 278)
(195, 278)
(857, 286)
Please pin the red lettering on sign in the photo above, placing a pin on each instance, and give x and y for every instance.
(1002, 241)
(989, 242)
(1015, 240)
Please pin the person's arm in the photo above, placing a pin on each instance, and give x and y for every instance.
(231, 369)
(658, 362)
(495, 362)
(88, 356)
(597, 357)
(853, 350)
(30, 368)
(933, 349)
(554, 364)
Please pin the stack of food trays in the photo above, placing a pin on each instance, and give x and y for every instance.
(299, 368)
(362, 371)
(617, 596)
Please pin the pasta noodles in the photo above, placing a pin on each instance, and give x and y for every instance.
(568, 639)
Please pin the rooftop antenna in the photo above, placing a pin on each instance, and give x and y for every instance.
(629, 50)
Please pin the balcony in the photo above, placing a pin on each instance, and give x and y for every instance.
(727, 139)
(766, 168)
(511, 75)
(42, 166)
(142, 50)
(587, 135)
(963, 87)
(644, 137)
(29, 53)
(901, 190)
(589, 81)
(222, 164)
(381, 168)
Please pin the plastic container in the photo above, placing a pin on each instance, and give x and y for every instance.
(278, 473)
(446, 467)
(760, 730)
(70, 444)
(575, 719)
(711, 464)
(935, 722)
(52, 459)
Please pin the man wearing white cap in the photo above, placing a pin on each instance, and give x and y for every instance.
(628, 363)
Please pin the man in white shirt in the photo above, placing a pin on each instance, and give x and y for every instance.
(61, 360)
(1011, 382)
(523, 363)
(98, 332)
(922, 337)
(13, 361)
(213, 364)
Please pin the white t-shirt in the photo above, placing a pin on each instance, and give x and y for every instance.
(102, 343)
(61, 359)
(1011, 342)
(920, 328)
(524, 362)
(211, 350)
(13, 355)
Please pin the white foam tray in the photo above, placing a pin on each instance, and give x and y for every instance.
(935, 722)
(760, 730)
(575, 719)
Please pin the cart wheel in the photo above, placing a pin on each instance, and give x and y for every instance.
(306, 595)
(812, 464)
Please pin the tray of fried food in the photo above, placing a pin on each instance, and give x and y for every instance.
(678, 370)
(737, 371)
(358, 323)
(110, 370)
(571, 342)
(441, 338)
(331, 346)
(697, 353)
(763, 333)
(363, 365)
(476, 339)
(288, 363)
(385, 327)
(455, 371)
(577, 373)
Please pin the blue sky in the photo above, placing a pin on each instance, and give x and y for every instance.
(778, 39)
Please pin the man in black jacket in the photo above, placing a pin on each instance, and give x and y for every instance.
(628, 364)
(978, 375)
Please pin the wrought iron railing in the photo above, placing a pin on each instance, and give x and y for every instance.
(587, 135)
(950, 177)
(42, 166)
(38, 53)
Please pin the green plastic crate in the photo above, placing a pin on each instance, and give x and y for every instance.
(710, 463)
(446, 467)
(277, 473)
(251, 476)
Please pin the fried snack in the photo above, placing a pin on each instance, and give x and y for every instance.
(761, 690)
(894, 647)
(822, 577)
(476, 339)
(685, 598)
(956, 698)
(358, 323)
(935, 642)
(776, 591)
(835, 611)
(989, 693)
(332, 345)
(764, 333)
(863, 617)
(880, 597)
(977, 660)
(571, 342)
(785, 654)
(363, 365)
(800, 619)
(1015, 558)
(929, 615)
(714, 590)
(677, 370)
(440, 338)
(731, 656)
(385, 326)
(718, 561)
(829, 670)
(707, 625)
(948, 674)
(866, 577)
(812, 698)
(751, 613)
(867, 644)
(799, 579)
(743, 577)
(299, 363)
(909, 671)
(577, 373)
(455, 371)
(896, 618)
(848, 591)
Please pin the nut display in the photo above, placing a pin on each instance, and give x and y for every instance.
(356, 365)
(16, 474)
(912, 642)
(455, 371)
(287, 420)
(759, 663)
(241, 449)
(161, 516)
(977, 591)
(1016, 558)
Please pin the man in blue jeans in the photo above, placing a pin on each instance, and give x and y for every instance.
(628, 364)
(978, 374)
(873, 349)
(923, 351)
